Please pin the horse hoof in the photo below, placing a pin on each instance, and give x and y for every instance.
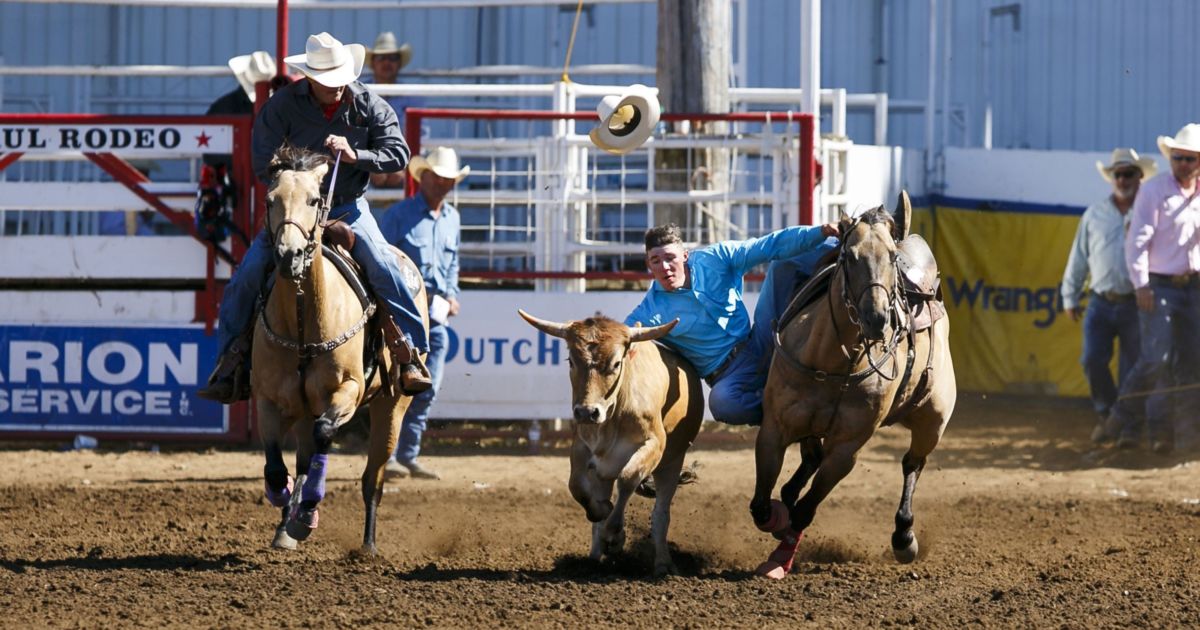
(282, 540)
(771, 570)
(302, 522)
(665, 569)
(779, 520)
(281, 498)
(908, 554)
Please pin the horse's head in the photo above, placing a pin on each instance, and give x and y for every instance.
(597, 348)
(868, 260)
(294, 201)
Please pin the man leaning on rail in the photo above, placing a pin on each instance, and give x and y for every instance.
(330, 111)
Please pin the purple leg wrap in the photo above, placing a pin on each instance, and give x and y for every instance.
(279, 499)
(314, 486)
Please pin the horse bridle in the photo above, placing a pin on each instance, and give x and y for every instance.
(312, 241)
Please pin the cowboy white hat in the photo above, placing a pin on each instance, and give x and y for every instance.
(1188, 139)
(385, 44)
(328, 61)
(251, 69)
(443, 161)
(1127, 157)
(626, 119)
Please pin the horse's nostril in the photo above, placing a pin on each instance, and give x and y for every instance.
(586, 413)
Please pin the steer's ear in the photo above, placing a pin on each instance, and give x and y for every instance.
(554, 329)
(653, 332)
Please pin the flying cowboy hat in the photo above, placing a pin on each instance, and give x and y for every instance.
(385, 44)
(443, 161)
(1188, 139)
(251, 69)
(626, 119)
(328, 61)
(1127, 157)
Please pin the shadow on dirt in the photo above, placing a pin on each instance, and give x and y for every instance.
(96, 561)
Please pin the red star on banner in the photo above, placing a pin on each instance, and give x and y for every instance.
(202, 139)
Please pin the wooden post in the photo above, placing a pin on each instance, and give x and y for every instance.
(694, 65)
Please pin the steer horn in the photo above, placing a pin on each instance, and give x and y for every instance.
(639, 333)
(554, 329)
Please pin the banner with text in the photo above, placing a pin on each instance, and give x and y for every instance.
(1001, 277)
(107, 379)
(131, 140)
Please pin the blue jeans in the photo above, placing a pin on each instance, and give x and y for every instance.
(736, 397)
(1103, 322)
(370, 251)
(417, 416)
(1168, 357)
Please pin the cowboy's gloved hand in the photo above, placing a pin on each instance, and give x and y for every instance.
(339, 144)
(1076, 312)
(829, 229)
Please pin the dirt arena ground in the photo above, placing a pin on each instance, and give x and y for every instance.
(1020, 523)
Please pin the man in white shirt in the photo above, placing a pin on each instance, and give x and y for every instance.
(1098, 256)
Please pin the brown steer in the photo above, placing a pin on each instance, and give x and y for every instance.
(637, 409)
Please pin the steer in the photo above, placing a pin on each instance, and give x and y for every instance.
(637, 408)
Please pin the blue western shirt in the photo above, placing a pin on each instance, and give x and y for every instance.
(431, 243)
(712, 317)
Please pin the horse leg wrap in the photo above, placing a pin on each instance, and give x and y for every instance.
(779, 563)
(314, 485)
(280, 498)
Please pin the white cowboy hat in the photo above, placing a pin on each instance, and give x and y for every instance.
(1188, 139)
(443, 161)
(626, 120)
(1127, 157)
(385, 44)
(328, 61)
(251, 69)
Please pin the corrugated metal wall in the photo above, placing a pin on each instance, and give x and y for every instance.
(1076, 74)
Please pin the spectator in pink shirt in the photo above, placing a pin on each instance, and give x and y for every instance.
(1162, 250)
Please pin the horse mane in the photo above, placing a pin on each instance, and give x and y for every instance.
(874, 216)
(290, 157)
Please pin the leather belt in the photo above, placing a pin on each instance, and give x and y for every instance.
(1115, 296)
(1183, 280)
(715, 375)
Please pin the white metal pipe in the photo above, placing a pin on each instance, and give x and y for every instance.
(327, 4)
(217, 71)
(931, 94)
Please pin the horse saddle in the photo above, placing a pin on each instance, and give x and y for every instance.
(922, 284)
(336, 242)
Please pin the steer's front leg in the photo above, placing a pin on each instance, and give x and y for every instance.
(640, 464)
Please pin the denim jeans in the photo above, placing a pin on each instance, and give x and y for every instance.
(1168, 357)
(736, 397)
(370, 251)
(417, 415)
(1104, 322)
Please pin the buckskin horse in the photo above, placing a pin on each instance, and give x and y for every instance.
(310, 347)
(871, 351)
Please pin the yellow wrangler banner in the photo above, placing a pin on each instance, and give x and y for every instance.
(1001, 274)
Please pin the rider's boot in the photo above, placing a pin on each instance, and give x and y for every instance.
(230, 380)
(408, 370)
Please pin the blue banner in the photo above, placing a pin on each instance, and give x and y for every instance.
(107, 379)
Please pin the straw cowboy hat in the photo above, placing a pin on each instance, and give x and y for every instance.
(1126, 157)
(443, 161)
(385, 44)
(251, 69)
(1188, 139)
(328, 61)
(626, 119)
